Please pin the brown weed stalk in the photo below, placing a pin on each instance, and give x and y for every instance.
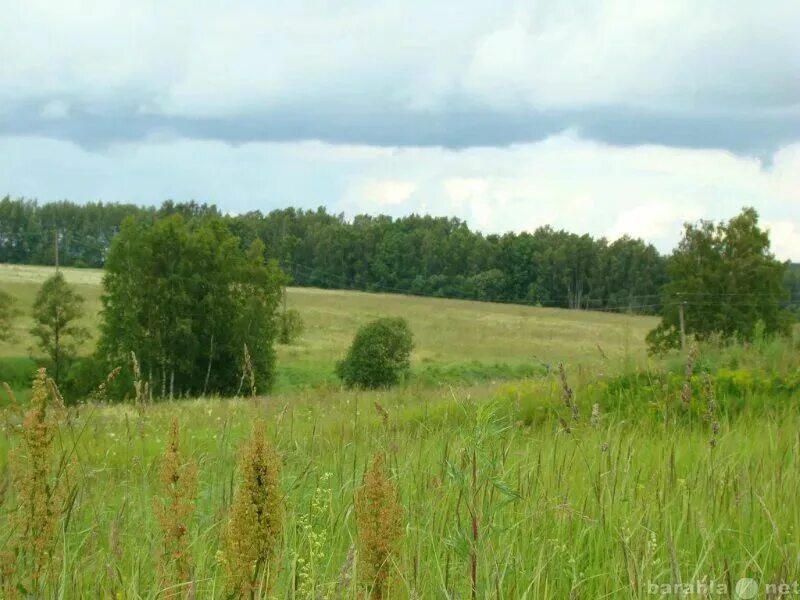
(380, 526)
(253, 533)
(39, 478)
(567, 394)
(686, 392)
(174, 512)
(141, 388)
(711, 408)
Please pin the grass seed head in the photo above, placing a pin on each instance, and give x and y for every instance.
(41, 486)
(174, 511)
(253, 534)
(380, 526)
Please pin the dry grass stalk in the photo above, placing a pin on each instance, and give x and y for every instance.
(711, 408)
(686, 392)
(253, 533)
(101, 393)
(383, 413)
(5, 479)
(141, 388)
(595, 419)
(247, 373)
(380, 526)
(564, 425)
(567, 394)
(174, 512)
(40, 482)
(345, 580)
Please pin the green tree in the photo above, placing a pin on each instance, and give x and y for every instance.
(792, 283)
(420, 254)
(56, 312)
(379, 355)
(727, 280)
(7, 314)
(187, 300)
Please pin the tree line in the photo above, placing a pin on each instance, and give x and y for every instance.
(422, 255)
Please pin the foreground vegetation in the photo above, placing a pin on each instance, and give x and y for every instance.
(660, 479)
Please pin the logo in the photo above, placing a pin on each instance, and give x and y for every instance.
(746, 589)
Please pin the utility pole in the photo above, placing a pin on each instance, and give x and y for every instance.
(683, 324)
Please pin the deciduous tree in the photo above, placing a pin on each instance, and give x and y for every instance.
(186, 299)
(727, 280)
(58, 335)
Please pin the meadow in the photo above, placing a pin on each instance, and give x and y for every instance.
(625, 478)
(456, 341)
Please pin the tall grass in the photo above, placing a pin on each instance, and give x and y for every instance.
(495, 498)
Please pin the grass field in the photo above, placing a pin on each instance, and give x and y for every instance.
(453, 338)
(658, 487)
(641, 498)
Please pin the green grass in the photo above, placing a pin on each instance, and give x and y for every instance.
(483, 341)
(640, 500)
(598, 512)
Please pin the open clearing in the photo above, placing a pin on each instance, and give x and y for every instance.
(448, 334)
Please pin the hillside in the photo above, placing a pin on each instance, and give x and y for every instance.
(450, 335)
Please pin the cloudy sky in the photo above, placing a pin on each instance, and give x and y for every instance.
(600, 116)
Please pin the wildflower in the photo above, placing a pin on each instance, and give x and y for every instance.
(314, 540)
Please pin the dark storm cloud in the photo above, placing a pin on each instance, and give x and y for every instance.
(757, 133)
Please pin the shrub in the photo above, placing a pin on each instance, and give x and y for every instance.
(378, 356)
(291, 326)
(17, 371)
(7, 314)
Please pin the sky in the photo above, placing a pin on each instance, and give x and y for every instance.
(608, 117)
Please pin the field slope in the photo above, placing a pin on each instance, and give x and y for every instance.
(452, 337)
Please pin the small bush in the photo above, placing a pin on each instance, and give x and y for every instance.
(291, 326)
(17, 371)
(8, 312)
(379, 355)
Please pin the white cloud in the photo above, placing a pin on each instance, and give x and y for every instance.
(564, 181)
(387, 192)
(655, 220)
(206, 58)
(785, 239)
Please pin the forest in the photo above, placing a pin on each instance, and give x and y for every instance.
(420, 255)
